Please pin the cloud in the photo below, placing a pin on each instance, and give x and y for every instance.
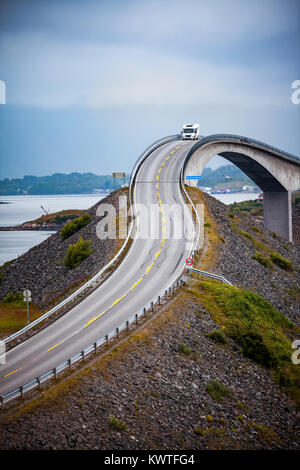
(48, 72)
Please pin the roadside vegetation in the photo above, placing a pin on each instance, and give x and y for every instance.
(75, 225)
(251, 207)
(13, 313)
(263, 333)
(77, 252)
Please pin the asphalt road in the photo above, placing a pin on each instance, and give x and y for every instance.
(153, 261)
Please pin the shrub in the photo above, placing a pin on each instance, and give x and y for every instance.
(281, 261)
(185, 349)
(77, 252)
(217, 335)
(217, 390)
(207, 224)
(13, 297)
(116, 424)
(255, 348)
(75, 225)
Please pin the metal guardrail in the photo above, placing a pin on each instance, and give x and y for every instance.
(214, 276)
(79, 291)
(53, 373)
(19, 392)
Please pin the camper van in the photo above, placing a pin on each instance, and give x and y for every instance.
(190, 132)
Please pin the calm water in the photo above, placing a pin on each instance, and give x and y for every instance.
(235, 197)
(23, 208)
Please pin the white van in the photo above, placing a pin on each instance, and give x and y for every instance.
(190, 131)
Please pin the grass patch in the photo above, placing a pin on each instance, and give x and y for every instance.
(264, 260)
(282, 262)
(261, 331)
(117, 424)
(185, 349)
(13, 315)
(217, 335)
(217, 390)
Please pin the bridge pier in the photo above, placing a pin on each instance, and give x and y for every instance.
(278, 213)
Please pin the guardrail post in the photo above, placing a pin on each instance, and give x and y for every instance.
(127, 325)
(83, 355)
(152, 307)
(95, 348)
(145, 312)
(55, 372)
(106, 339)
(136, 318)
(39, 382)
(117, 332)
(166, 294)
(22, 391)
(158, 299)
(69, 363)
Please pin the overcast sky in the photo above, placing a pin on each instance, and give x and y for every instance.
(90, 84)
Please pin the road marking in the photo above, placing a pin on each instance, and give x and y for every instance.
(10, 373)
(149, 267)
(136, 283)
(55, 346)
(156, 254)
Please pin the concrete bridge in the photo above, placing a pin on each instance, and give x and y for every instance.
(276, 173)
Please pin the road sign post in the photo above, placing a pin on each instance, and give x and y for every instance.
(27, 299)
(189, 264)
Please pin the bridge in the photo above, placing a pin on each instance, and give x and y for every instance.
(151, 266)
(275, 172)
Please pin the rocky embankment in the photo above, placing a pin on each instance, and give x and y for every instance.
(242, 237)
(151, 393)
(42, 268)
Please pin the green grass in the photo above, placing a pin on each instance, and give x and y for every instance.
(117, 424)
(185, 349)
(282, 262)
(252, 322)
(217, 390)
(264, 260)
(217, 335)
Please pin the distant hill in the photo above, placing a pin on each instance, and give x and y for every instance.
(226, 175)
(59, 183)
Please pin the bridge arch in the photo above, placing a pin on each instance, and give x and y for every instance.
(276, 173)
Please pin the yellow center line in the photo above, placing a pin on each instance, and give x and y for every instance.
(11, 373)
(55, 346)
(156, 254)
(149, 267)
(136, 283)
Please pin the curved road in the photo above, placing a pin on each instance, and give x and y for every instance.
(150, 265)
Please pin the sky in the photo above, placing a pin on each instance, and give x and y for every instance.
(91, 83)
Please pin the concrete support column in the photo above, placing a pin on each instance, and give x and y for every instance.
(278, 213)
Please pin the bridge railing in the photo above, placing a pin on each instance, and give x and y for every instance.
(243, 140)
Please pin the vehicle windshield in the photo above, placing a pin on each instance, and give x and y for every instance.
(188, 131)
